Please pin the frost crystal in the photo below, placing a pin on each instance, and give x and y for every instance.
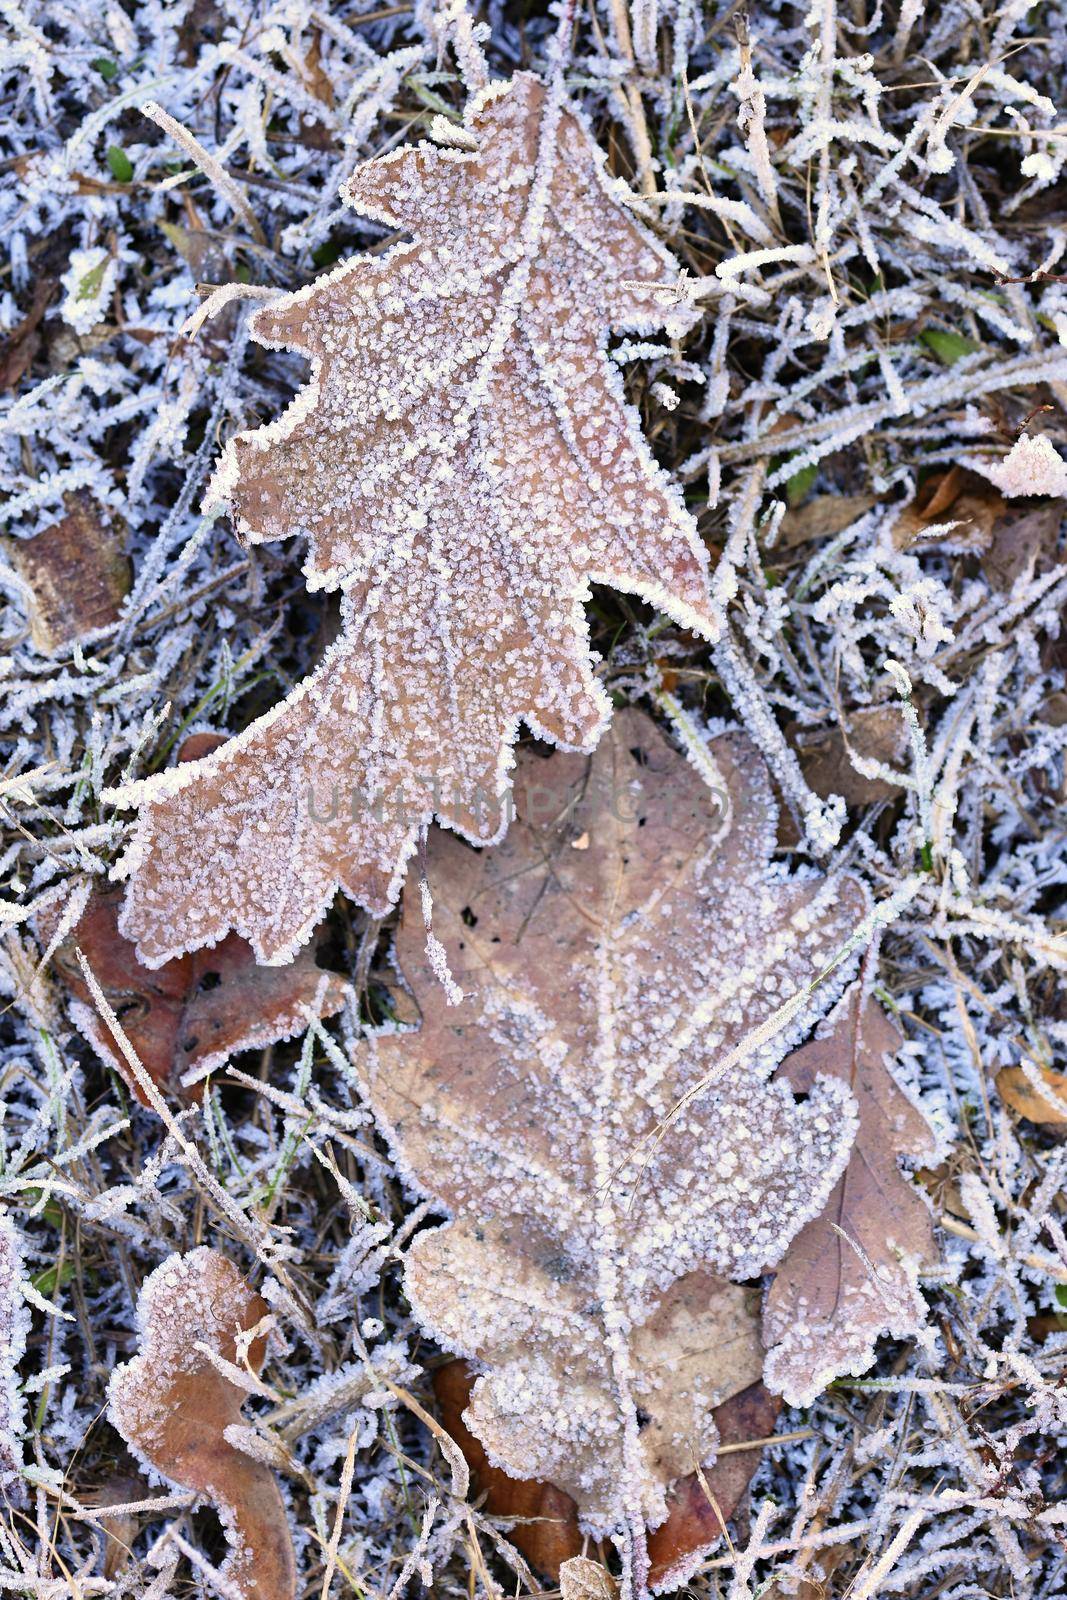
(14, 1324)
(462, 463)
(1031, 466)
(596, 1115)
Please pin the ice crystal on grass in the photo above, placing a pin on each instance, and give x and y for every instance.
(596, 1113)
(13, 1328)
(463, 463)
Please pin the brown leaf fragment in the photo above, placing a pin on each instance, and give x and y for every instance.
(873, 733)
(700, 1506)
(464, 463)
(821, 517)
(1022, 542)
(173, 1407)
(77, 571)
(191, 1014)
(955, 496)
(545, 1528)
(20, 345)
(582, 1579)
(14, 1326)
(546, 1520)
(586, 1270)
(1016, 1090)
(850, 1275)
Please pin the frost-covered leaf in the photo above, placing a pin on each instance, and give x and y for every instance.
(14, 1325)
(191, 1014)
(850, 1275)
(544, 1520)
(614, 950)
(173, 1407)
(463, 463)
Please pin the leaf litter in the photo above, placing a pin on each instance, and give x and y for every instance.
(867, 210)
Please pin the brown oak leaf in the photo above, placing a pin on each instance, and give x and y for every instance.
(617, 951)
(463, 464)
(173, 1407)
(850, 1275)
(191, 1014)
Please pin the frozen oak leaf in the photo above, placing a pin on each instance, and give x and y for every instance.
(186, 1018)
(174, 1408)
(463, 464)
(850, 1275)
(585, 1271)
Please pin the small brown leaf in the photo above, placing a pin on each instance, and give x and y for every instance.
(954, 496)
(173, 1407)
(18, 348)
(582, 1579)
(850, 1275)
(546, 1519)
(874, 733)
(191, 1014)
(1016, 1090)
(77, 571)
(821, 517)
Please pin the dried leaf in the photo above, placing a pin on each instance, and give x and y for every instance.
(584, 1271)
(545, 1526)
(546, 1519)
(822, 517)
(700, 1506)
(18, 348)
(873, 733)
(77, 570)
(850, 1275)
(956, 496)
(173, 1407)
(14, 1326)
(1016, 1090)
(191, 1014)
(582, 1579)
(463, 463)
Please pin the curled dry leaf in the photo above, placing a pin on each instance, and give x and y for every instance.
(1009, 541)
(1016, 1090)
(545, 1527)
(190, 1015)
(850, 1275)
(77, 571)
(464, 464)
(173, 1407)
(584, 1273)
(14, 1326)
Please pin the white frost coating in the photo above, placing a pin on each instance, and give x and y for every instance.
(89, 282)
(1031, 466)
(463, 463)
(14, 1326)
(583, 1271)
